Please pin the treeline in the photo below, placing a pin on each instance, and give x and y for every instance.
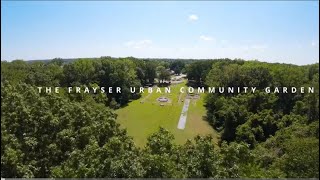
(283, 128)
(97, 72)
(50, 136)
(60, 135)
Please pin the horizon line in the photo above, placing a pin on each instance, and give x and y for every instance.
(154, 58)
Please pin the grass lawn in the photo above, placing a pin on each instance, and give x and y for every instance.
(142, 119)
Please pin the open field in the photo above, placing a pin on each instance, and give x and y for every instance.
(142, 119)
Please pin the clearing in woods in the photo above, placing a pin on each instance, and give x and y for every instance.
(144, 116)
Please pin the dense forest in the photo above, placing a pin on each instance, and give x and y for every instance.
(77, 135)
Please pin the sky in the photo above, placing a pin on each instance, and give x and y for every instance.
(271, 31)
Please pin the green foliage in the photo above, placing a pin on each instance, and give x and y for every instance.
(198, 71)
(281, 129)
(79, 72)
(76, 135)
(258, 127)
(301, 158)
(177, 66)
(292, 152)
(159, 156)
(40, 132)
(163, 74)
(201, 160)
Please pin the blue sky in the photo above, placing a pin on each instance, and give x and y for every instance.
(265, 30)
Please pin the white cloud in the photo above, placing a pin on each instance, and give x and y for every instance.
(139, 44)
(193, 17)
(206, 38)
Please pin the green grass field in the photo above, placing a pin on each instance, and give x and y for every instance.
(142, 119)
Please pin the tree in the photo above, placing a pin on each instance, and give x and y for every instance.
(77, 136)
(79, 72)
(57, 61)
(258, 127)
(159, 157)
(198, 71)
(177, 66)
(41, 132)
(163, 74)
(301, 158)
(151, 73)
(237, 161)
(200, 158)
(292, 152)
